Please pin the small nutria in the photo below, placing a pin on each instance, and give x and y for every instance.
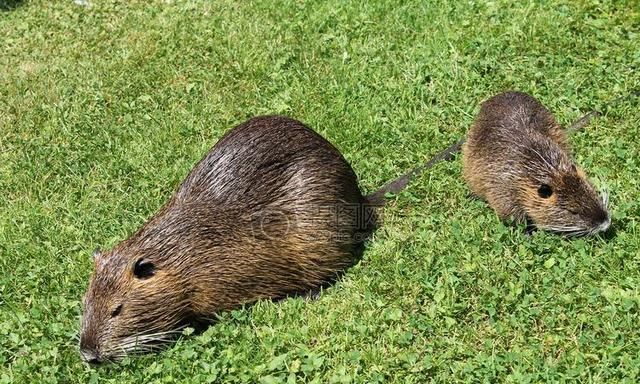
(516, 158)
(272, 210)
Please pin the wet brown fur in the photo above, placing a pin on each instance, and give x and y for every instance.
(272, 210)
(513, 147)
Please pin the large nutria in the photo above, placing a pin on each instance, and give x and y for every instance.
(516, 157)
(272, 210)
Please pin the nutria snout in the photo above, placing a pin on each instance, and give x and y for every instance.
(516, 157)
(272, 210)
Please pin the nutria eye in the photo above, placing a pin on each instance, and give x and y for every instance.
(545, 191)
(143, 269)
(116, 311)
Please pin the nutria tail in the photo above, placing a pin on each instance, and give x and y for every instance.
(378, 198)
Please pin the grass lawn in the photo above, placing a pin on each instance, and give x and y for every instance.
(105, 108)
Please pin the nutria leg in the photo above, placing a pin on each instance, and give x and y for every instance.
(530, 227)
(313, 294)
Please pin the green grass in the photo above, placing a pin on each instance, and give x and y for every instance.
(104, 109)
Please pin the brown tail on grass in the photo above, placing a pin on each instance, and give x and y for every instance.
(378, 198)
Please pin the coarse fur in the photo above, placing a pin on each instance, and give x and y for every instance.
(516, 157)
(272, 210)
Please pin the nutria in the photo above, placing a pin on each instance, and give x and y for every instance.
(516, 157)
(272, 210)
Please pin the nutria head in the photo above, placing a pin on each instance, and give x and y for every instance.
(132, 305)
(556, 195)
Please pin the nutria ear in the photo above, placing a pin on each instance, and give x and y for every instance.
(96, 253)
(144, 269)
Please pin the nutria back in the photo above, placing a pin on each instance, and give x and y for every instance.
(517, 158)
(272, 210)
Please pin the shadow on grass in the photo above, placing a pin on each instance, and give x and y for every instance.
(610, 233)
(9, 5)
